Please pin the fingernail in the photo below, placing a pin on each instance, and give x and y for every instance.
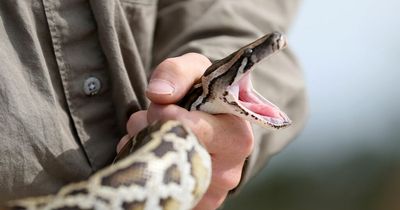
(160, 86)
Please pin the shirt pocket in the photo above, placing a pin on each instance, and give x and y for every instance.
(141, 17)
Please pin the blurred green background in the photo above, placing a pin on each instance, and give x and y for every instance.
(347, 157)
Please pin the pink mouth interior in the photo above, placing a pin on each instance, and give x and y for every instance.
(252, 101)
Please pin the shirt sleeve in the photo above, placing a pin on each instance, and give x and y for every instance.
(216, 28)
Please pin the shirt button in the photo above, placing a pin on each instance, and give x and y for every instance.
(91, 86)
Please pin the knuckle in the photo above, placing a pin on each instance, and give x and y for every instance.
(244, 144)
(122, 142)
(229, 180)
(135, 116)
(166, 112)
(172, 65)
(201, 58)
(241, 139)
(132, 118)
(136, 122)
(131, 122)
(170, 112)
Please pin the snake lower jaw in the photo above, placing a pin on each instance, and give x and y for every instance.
(249, 104)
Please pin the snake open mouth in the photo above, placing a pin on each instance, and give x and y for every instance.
(257, 106)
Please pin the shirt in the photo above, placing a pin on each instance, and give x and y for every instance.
(73, 71)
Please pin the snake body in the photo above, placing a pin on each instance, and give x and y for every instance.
(165, 167)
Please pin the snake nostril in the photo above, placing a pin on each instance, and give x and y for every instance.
(248, 52)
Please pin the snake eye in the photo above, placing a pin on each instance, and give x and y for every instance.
(248, 52)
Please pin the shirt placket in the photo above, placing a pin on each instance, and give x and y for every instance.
(83, 71)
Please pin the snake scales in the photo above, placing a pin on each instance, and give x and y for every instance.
(164, 166)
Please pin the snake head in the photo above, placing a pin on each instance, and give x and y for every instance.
(227, 87)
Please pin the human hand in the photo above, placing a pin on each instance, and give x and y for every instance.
(227, 138)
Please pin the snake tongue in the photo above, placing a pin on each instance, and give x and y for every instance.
(261, 109)
(251, 101)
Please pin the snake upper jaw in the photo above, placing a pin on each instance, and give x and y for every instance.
(227, 88)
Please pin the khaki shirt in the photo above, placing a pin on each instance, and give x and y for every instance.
(73, 71)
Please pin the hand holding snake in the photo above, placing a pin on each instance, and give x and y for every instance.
(164, 166)
(227, 138)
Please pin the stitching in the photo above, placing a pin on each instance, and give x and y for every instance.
(139, 2)
(63, 67)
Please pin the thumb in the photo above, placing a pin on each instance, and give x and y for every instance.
(174, 77)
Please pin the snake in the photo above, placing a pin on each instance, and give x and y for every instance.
(165, 167)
